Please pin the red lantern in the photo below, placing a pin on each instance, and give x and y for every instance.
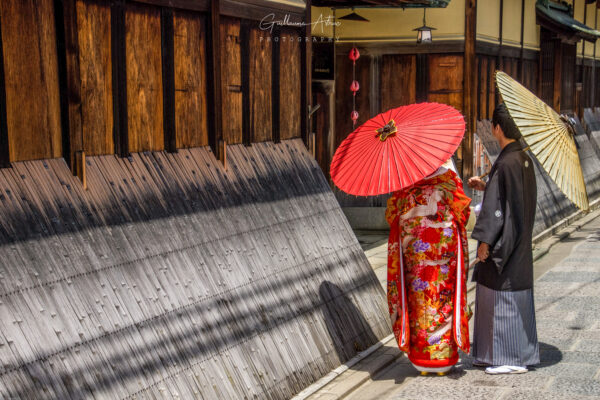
(354, 54)
(354, 87)
(354, 116)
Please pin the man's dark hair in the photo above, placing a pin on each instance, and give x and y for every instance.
(502, 117)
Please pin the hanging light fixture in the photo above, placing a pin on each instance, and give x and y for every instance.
(353, 16)
(424, 32)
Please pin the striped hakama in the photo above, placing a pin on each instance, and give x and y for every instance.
(505, 330)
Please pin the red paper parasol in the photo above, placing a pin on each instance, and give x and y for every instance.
(397, 148)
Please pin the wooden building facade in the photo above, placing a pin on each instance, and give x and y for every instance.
(170, 276)
(472, 39)
(128, 76)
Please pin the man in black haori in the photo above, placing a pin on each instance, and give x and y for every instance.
(505, 336)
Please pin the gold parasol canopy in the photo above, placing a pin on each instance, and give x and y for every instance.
(549, 138)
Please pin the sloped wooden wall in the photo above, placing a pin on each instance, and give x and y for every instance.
(171, 278)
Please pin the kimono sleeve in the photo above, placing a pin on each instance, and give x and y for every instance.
(490, 221)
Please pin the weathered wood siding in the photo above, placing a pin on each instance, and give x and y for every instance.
(289, 89)
(446, 80)
(260, 85)
(93, 23)
(399, 80)
(144, 79)
(31, 79)
(190, 80)
(171, 278)
(231, 76)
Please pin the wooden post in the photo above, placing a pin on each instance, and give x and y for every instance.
(168, 78)
(247, 134)
(422, 84)
(305, 74)
(521, 66)
(557, 75)
(223, 153)
(470, 87)
(119, 77)
(80, 161)
(4, 150)
(275, 53)
(69, 79)
(213, 79)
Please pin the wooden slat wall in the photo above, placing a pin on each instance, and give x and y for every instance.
(260, 85)
(289, 112)
(190, 80)
(169, 278)
(399, 77)
(445, 80)
(31, 79)
(93, 22)
(144, 79)
(231, 77)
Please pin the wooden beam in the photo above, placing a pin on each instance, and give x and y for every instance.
(4, 150)
(247, 133)
(62, 22)
(168, 78)
(557, 75)
(500, 33)
(305, 74)
(119, 77)
(521, 55)
(470, 87)
(191, 5)
(422, 84)
(213, 78)
(275, 84)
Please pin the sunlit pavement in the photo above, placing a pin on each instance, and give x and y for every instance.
(567, 295)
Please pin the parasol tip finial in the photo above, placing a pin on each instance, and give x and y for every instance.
(387, 130)
(569, 123)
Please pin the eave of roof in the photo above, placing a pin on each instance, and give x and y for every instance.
(550, 15)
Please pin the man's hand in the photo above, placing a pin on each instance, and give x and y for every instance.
(476, 183)
(483, 251)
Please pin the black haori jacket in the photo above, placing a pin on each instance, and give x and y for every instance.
(506, 222)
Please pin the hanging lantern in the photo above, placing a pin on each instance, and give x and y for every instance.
(354, 54)
(354, 116)
(354, 87)
(424, 32)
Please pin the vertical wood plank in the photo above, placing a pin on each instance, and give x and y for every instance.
(215, 121)
(144, 79)
(305, 72)
(168, 78)
(261, 85)
(31, 79)
(276, 83)
(96, 66)
(247, 131)
(557, 75)
(231, 75)
(191, 112)
(422, 84)
(399, 72)
(290, 86)
(119, 78)
(4, 150)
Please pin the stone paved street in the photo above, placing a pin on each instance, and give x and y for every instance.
(567, 295)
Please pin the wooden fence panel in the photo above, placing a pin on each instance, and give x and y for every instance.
(31, 79)
(190, 80)
(446, 80)
(399, 80)
(144, 79)
(93, 22)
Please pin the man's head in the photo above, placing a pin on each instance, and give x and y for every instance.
(504, 124)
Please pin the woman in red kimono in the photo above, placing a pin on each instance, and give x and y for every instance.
(427, 270)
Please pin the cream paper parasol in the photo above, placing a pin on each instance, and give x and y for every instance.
(548, 135)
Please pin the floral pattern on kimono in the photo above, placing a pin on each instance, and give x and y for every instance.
(427, 270)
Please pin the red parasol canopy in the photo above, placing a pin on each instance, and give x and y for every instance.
(397, 148)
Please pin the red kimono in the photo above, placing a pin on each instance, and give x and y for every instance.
(427, 270)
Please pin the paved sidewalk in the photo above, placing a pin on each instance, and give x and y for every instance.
(567, 295)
